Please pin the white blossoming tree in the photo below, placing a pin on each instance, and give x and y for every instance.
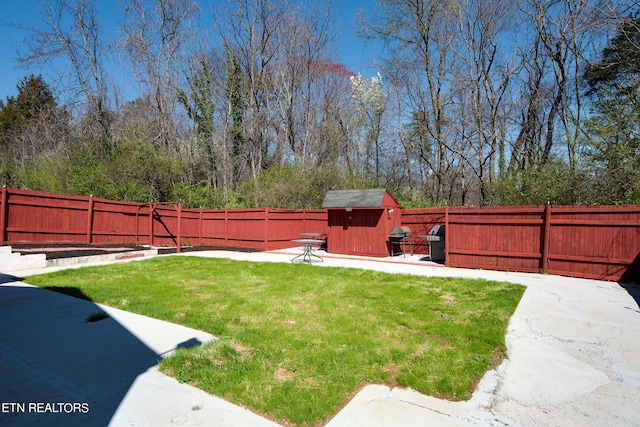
(370, 99)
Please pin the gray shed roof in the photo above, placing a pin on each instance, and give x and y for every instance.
(355, 198)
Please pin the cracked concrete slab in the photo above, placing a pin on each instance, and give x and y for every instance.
(572, 348)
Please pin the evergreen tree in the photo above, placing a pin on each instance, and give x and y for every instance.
(34, 102)
(235, 94)
(200, 107)
(33, 128)
(619, 66)
(613, 129)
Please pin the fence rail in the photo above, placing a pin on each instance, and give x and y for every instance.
(593, 242)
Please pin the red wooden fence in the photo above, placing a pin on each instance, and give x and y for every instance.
(592, 242)
(30, 217)
(496, 238)
(421, 221)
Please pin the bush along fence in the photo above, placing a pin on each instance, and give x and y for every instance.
(592, 242)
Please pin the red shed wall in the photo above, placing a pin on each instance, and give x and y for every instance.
(360, 231)
(388, 201)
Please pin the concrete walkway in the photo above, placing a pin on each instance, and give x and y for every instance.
(573, 359)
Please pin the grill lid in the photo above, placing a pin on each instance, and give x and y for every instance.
(437, 230)
(396, 232)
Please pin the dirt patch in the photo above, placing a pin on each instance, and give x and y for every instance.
(74, 251)
(59, 251)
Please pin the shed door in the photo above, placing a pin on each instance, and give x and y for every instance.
(356, 232)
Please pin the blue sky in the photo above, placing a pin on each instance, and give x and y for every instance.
(351, 51)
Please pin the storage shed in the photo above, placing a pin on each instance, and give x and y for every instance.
(359, 221)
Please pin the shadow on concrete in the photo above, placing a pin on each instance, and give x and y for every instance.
(632, 272)
(428, 258)
(58, 367)
(72, 292)
(634, 291)
(7, 278)
(630, 279)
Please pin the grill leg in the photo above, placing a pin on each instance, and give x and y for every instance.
(400, 243)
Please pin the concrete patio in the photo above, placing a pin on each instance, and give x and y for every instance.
(573, 359)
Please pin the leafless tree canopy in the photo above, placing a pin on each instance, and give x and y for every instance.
(476, 101)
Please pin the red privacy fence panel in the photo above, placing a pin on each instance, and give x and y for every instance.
(117, 222)
(31, 217)
(500, 238)
(262, 229)
(594, 242)
(421, 221)
(43, 218)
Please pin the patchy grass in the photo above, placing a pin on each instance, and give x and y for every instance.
(296, 341)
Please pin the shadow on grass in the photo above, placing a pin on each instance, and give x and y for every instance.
(72, 292)
(57, 368)
(193, 342)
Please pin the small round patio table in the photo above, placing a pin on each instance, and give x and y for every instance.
(307, 250)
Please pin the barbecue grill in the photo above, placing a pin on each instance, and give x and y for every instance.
(399, 236)
(436, 242)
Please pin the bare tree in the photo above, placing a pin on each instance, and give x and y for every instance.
(153, 39)
(482, 84)
(302, 61)
(282, 52)
(248, 29)
(72, 33)
(419, 36)
(565, 31)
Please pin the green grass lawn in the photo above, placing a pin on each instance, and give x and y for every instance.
(297, 341)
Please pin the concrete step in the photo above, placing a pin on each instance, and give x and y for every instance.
(10, 261)
(14, 261)
(91, 259)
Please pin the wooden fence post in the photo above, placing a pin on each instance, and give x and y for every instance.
(152, 208)
(90, 220)
(179, 237)
(266, 230)
(546, 230)
(200, 228)
(447, 232)
(137, 239)
(226, 227)
(3, 216)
